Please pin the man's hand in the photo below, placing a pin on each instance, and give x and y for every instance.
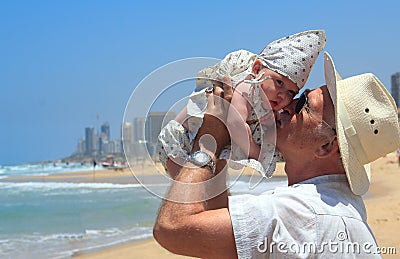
(213, 134)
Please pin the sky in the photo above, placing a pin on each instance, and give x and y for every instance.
(66, 65)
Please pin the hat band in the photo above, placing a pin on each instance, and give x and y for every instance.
(351, 132)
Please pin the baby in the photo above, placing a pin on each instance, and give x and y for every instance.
(263, 83)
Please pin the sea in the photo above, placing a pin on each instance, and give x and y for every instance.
(60, 219)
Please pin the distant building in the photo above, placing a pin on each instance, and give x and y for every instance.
(138, 129)
(89, 140)
(102, 142)
(103, 138)
(113, 147)
(154, 123)
(396, 88)
(127, 137)
(80, 147)
(105, 130)
(127, 132)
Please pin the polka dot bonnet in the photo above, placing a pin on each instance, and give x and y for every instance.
(295, 55)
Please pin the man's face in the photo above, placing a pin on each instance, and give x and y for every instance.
(301, 133)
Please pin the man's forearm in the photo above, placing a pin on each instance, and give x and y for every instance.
(195, 190)
(195, 194)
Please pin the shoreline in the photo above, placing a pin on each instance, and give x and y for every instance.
(141, 175)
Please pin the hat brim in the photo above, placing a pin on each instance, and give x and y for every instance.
(358, 175)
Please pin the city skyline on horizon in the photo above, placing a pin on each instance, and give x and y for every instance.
(97, 143)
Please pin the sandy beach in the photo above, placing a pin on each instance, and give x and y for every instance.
(383, 207)
(382, 202)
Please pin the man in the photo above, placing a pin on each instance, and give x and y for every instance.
(328, 137)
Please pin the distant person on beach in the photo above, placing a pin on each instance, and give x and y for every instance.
(328, 137)
(263, 84)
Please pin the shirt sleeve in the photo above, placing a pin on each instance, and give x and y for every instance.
(271, 224)
(253, 220)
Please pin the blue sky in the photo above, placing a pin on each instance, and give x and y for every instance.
(64, 62)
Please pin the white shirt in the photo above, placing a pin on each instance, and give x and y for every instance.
(317, 218)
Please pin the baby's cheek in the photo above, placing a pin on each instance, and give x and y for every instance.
(286, 101)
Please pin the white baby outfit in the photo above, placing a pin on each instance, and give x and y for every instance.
(292, 56)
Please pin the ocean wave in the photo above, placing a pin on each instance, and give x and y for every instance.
(61, 245)
(86, 234)
(43, 169)
(49, 186)
(35, 190)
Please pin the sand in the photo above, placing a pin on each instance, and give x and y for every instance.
(382, 203)
(144, 249)
(383, 208)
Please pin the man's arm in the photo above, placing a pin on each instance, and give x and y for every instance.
(200, 227)
(194, 229)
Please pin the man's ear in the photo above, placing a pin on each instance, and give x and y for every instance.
(328, 149)
(257, 66)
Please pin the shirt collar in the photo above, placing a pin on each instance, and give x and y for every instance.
(325, 179)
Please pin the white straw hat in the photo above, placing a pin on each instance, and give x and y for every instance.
(366, 122)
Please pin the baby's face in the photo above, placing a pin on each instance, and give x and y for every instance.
(277, 91)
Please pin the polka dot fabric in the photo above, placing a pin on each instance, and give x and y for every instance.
(295, 55)
(237, 65)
